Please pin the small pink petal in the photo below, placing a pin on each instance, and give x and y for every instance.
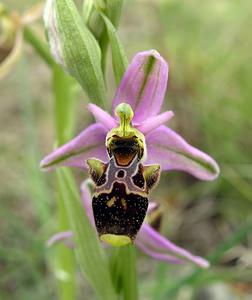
(172, 152)
(159, 244)
(151, 207)
(101, 116)
(143, 85)
(157, 255)
(89, 143)
(87, 200)
(154, 122)
(59, 237)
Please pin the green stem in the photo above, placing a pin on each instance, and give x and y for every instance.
(39, 46)
(64, 101)
(123, 271)
(65, 91)
(129, 278)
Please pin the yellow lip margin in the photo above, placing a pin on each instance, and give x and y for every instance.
(115, 240)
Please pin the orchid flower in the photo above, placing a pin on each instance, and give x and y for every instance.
(148, 239)
(143, 87)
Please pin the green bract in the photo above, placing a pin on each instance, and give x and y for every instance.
(74, 47)
(91, 13)
(119, 58)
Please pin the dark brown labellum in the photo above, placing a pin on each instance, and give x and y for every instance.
(120, 200)
(119, 213)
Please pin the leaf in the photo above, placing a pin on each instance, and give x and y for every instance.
(89, 253)
(112, 10)
(119, 57)
(74, 47)
(87, 8)
(39, 46)
(63, 259)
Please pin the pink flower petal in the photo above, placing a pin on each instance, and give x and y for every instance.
(154, 122)
(158, 255)
(172, 152)
(143, 85)
(60, 236)
(87, 199)
(89, 143)
(101, 116)
(157, 243)
(151, 207)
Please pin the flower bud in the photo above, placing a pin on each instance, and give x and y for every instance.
(74, 47)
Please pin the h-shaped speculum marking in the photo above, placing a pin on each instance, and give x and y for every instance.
(109, 171)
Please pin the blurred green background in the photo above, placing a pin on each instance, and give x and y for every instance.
(208, 45)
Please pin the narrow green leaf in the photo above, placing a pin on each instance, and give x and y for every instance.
(111, 9)
(87, 8)
(119, 57)
(89, 253)
(101, 4)
(64, 107)
(65, 261)
(74, 47)
(40, 47)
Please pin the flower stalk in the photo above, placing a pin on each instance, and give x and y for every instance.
(63, 98)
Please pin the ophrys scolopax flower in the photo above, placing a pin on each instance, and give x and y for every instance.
(133, 135)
